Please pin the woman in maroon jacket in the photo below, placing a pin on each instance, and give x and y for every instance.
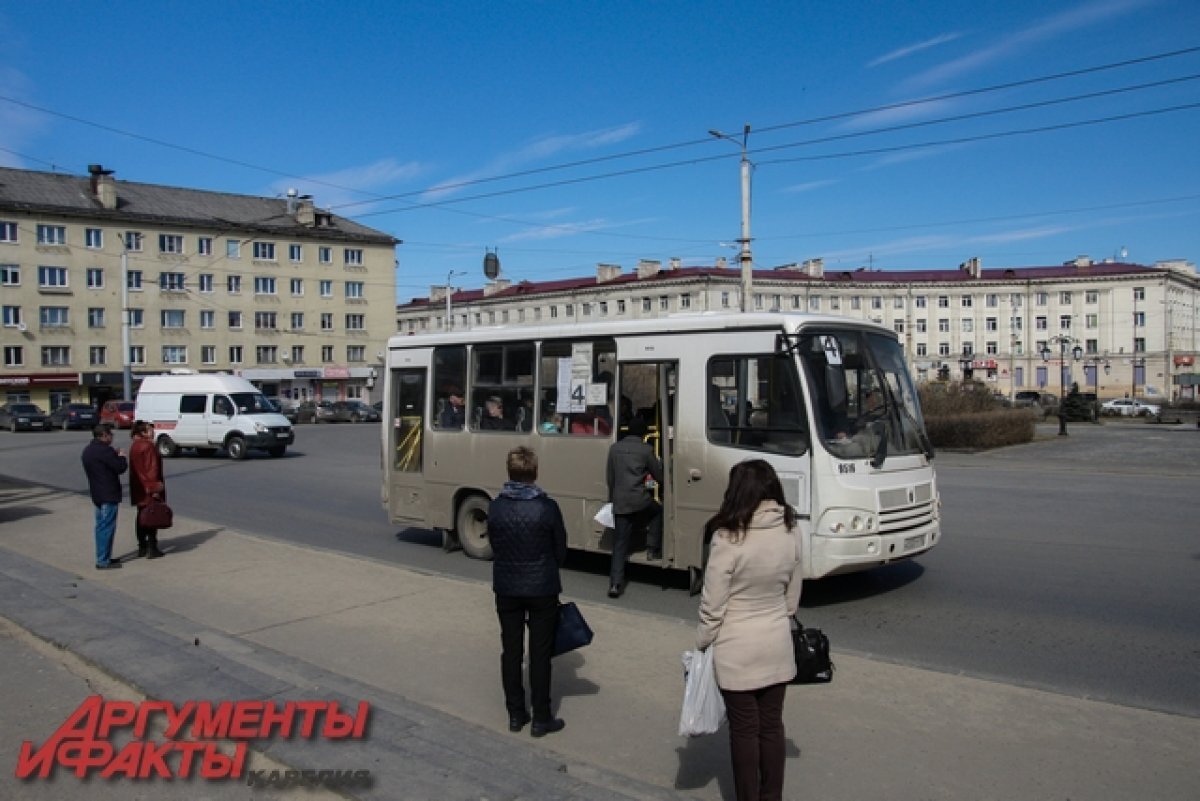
(145, 484)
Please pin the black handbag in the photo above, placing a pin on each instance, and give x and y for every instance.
(156, 514)
(573, 631)
(812, 655)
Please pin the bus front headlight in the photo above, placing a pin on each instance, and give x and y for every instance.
(852, 522)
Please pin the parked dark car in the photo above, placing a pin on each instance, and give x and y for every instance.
(23, 417)
(351, 411)
(118, 413)
(74, 415)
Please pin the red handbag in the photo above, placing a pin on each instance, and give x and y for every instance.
(156, 514)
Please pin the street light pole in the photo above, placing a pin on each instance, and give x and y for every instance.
(744, 257)
(1063, 341)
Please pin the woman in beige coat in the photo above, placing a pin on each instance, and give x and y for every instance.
(751, 590)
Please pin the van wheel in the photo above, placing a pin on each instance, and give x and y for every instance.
(236, 446)
(167, 447)
(277, 452)
(471, 527)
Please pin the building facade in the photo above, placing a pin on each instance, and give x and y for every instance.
(1014, 328)
(296, 299)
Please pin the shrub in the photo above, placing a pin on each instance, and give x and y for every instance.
(965, 415)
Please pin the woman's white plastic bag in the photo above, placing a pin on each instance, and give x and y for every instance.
(703, 707)
(605, 516)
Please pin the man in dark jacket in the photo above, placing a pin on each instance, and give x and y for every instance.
(632, 465)
(529, 544)
(104, 466)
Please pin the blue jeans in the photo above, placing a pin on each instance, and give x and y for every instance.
(106, 528)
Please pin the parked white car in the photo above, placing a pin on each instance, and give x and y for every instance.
(1125, 407)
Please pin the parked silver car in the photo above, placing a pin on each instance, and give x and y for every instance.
(1129, 407)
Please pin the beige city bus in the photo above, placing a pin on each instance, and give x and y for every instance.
(826, 400)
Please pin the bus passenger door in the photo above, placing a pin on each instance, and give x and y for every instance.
(648, 391)
(405, 461)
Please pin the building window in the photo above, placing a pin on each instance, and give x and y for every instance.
(943, 301)
(1040, 323)
(174, 354)
(835, 303)
(96, 317)
(327, 353)
(134, 280)
(97, 356)
(967, 301)
(943, 348)
(137, 354)
(991, 324)
(56, 356)
(297, 354)
(326, 289)
(1064, 322)
(354, 290)
(12, 316)
(326, 321)
(1064, 297)
(724, 300)
(297, 286)
(356, 353)
(233, 284)
(1091, 296)
(208, 354)
(235, 320)
(968, 325)
(919, 301)
(647, 305)
(1041, 298)
(620, 310)
(992, 348)
(10, 275)
(922, 325)
(1139, 345)
(325, 255)
(52, 234)
(235, 354)
(264, 321)
(1091, 320)
(172, 282)
(8, 231)
(898, 302)
(1139, 319)
(205, 282)
(93, 238)
(297, 321)
(95, 278)
(204, 246)
(922, 349)
(233, 249)
(944, 324)
(1092, 346)
(876, 302)
(356, 322)
(133, 241)
(898, 326)
(553, 314)
(968, 348)
(664, 302)
(55, 316)
(173, 318)
(1139, 293)
(855, 302)
(992, 300)
(266, 354)
(14, 355)
(52, 277)
(353, 257)
(264, 285)
(296, 253)
(171, 244)
(137, 318)
(264, 251)
(208, 318)
(685, 301)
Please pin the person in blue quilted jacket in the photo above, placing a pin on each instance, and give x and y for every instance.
(529, 544)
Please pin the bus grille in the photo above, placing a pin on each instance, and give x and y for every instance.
(906, 508)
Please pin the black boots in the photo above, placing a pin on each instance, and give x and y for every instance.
(541, 728)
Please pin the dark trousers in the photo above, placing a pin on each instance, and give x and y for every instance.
(652, 518)
(756, 742)
(540, 615)
(146, 537)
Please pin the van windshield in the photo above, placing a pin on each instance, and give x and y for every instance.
(252, 403)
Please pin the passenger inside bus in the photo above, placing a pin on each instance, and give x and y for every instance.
(593, 422)
(452, 411)
(493, 418)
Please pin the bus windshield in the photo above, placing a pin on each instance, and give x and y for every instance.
(864, 403)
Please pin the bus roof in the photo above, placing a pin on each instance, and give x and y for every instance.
(670, 323)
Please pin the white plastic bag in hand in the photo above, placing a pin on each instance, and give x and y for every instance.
(703, 707)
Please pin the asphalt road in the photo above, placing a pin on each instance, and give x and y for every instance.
(1068, 564)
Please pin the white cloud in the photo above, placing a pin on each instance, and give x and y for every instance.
(809, 186)
(905, 52)
(538, 150)
(1057, 25)
(557, 231)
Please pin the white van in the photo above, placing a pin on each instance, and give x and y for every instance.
(211, 411)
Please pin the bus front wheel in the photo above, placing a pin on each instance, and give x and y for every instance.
(471, 527)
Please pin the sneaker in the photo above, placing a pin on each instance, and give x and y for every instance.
(541, 728)
(110, 566)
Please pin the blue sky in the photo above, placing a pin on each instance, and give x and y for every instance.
(563, 134)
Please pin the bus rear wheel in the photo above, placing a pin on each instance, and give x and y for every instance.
(471, 527)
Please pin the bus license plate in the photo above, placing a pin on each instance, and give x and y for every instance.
(914, 542)
(281, 436)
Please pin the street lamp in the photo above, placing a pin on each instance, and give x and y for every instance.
(1064, 342)
(449, 292)
(744, 257)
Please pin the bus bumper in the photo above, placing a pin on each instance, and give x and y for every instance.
(832, 556)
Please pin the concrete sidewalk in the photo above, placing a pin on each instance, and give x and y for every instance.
(228, 615)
